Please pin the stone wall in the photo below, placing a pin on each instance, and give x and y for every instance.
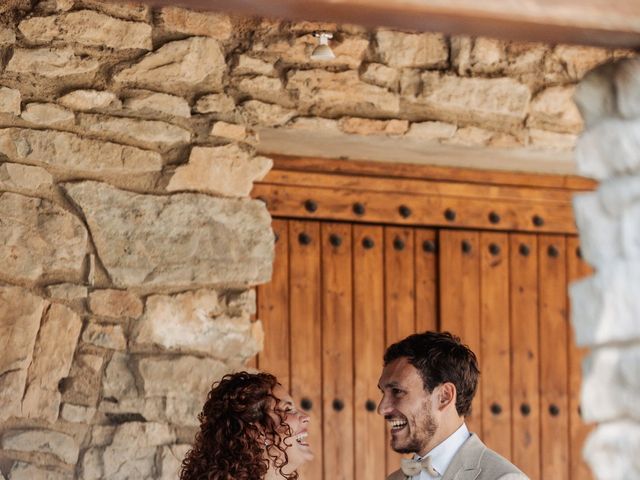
(128, 243)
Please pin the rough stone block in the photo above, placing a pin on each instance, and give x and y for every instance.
(263, 114)
(119, 381)
(91, 464)
(7, 36)
(610, 148)
(130, 10)
(82, 386)
(52, 356)
(254, 66)
(267, 89)
(226, 170)
(215, 103)
(545, 140)
(183, 410)
(58, 444)
(115, 304)
(67, 292)
(51, 63)
(145, 133)
(595, 95)
(553, 109)
(239, 302)
(147, 102)
(605, 305)
(381, 75)
(627, 85)
(26, 471)
(611, 384)
(77, 413)
(335, 94)
(134, 408)
(197, 62)
(39, 239)
(208, 24)
(128, 462)
(86, 100)
(10, 100)
(206, 241)
(488, 55)
(421, 50)
(143, 434)
(105, 336)
(366, 126)
(569, 63)
(171, 460)
(48, 114)
(431, 131)
(349, 52)
(612, 450)
(24, 177)
(231, 131)
(20, 314)
(87, 27)
(76, 154)
(470, 137)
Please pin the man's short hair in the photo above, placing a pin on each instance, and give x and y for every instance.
(440, 357)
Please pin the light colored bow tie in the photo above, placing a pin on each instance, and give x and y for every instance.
(411, 467)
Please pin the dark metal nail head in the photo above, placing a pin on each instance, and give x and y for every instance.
(429, 246)
(311, 206)
(494, 217)
(524, 250)
(304, 239)
(494, 249)
(367, 242)
(398, 244)
(405, 212)
(335, 240)
(370, 405)
(338, 405)
(450, 214)
(358, 209)
(306, 404)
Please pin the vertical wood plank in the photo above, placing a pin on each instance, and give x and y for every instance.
(306, 330)
(337, 351)
(368, 298)
(399, 297)
(460, 299)
(577, 268)
(554, 402)
(495, 352)
(273, 310)
(426, 280)
(525, 355)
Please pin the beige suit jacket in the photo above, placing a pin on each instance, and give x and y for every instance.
(474, 461)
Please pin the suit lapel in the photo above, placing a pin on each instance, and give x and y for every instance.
(465, 463)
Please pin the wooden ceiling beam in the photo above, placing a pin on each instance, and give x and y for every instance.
(607, 23)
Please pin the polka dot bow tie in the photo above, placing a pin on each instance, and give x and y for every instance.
(411, 467)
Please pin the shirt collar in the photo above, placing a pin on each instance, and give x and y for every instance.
(443, 453)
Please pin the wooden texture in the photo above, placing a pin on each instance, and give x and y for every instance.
(426, 283)
(369, 344)
(337, 351)
(553, 357)
(460, 299)
(525, 354)
(577, 268)
(592, 22)
(495, 341)
(306, 332)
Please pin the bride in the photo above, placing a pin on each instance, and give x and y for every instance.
(250, 429)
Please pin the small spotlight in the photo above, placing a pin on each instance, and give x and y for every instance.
(322, 51)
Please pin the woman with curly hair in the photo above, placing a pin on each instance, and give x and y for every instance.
(250, 429)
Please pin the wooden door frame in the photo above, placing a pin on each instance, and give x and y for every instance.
(407, 194)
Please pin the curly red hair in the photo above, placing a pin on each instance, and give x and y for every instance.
(239, 423)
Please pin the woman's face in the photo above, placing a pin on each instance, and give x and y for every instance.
(298, 450)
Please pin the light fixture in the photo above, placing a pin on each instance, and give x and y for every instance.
(322, 51)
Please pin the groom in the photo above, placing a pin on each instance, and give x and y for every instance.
(427, 384)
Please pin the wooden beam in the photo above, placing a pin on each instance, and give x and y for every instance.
(607, 23)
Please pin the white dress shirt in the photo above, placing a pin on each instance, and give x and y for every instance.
(442, 454)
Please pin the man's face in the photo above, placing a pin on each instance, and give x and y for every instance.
(407, 407)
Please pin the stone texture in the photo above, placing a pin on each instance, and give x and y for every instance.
(196, 62)
(231, 131)
(52, 356)
(119, 381)
(67, 292)
(263, 114)
(611, 384)
(470, 137)
(423, 50)
(25, 471)
(87, 27)
(627, 83)
(147, 409)
(24, 177)
(20, 313)
(605, 305)
(91, 464)
(381, 75)
(431, 131)
(77, 413)
(7, 36)
(612, 450)
(612, 147)
(116, 304)
(349, 52)
(194, 322)
(365, 126)
(146, 133)
(58, 444)
(130, 10)
(206, 240)
(171, 460)
(553, 109)
(51, 63)
(254, 66)
(267, 89)
(215, 103)
(487, 56)
(571, 62)
(143, 434)
(335, 94)
(39, 239)
(86, 100)
(82, 386)
(501, 103)
(239, 302)
(180, 376)
(544, 140)
(147, 102)
(209, 24)
(73, 153)
(48, 114)
(183, 410)
(226, 170)
(128, 462)
(10, 100)
(105, 336)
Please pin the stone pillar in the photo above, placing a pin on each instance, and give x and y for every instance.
(606, 306)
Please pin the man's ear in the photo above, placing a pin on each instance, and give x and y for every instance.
(446, 396)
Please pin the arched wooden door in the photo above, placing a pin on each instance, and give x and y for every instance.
(343, 290)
